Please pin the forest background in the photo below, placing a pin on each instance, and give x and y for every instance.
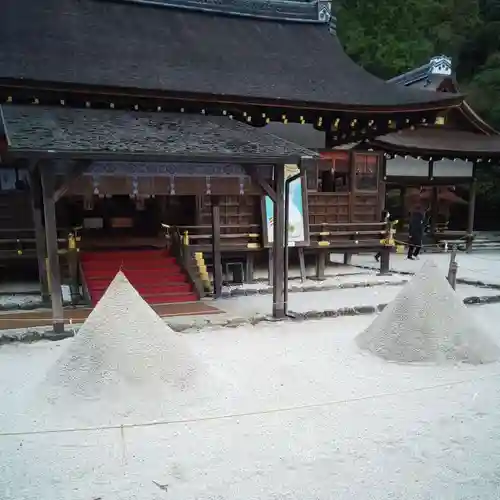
(390, 37)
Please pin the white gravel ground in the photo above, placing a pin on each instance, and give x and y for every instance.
(306, 415)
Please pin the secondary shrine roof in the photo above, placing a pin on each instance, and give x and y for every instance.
(55, 132)
(194, 48)
(441, 140)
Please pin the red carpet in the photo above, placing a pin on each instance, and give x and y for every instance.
(153, 273)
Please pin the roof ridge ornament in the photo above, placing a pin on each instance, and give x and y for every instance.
(440, 65)
(310, 11)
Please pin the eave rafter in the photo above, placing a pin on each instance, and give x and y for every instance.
(343, 126)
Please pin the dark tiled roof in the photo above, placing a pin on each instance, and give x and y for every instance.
(305, 135)
(68, 130)
(441, 140)
(140, 46)
(289, 10)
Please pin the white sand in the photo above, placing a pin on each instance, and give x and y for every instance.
(124, 354)
(375, 434)
(428, 322)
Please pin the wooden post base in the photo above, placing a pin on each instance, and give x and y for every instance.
(249, 268)
(320, 264)
(385, 262)
(58, 330)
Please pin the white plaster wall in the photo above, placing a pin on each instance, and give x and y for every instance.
(410, 167)
(450, 168)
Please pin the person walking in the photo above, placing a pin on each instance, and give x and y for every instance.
(416, 233)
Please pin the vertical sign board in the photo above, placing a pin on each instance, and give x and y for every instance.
(298, 219)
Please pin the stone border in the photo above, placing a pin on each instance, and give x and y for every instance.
(29, 306)
(46, 333)
(310, 278)
(32, 335)
(243, 292)
(308, 315)
(462, 281)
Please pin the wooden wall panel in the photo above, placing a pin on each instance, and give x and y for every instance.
(328, 208)
(109, 185)
(82, 186)
(162, 186)
(366, 208)
(189, 185)
(237, 211)
(146, 185)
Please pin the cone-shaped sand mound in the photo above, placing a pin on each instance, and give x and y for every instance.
(428, 322)
(123, 347)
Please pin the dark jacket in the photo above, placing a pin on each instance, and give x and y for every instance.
(416, 228)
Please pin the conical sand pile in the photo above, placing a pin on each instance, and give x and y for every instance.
(123, 348)
(428, 322)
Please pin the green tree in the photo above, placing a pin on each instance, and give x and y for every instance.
(478, 67)
(483, 91)
(389, 37)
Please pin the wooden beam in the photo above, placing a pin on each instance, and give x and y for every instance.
(216, 250)
(49, 206)
(41, 248)
(279, 243)
(264, 185)
(75, 171)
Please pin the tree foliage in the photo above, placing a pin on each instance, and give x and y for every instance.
(389, 37)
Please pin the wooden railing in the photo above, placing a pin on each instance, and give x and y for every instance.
(21, 243)
(348, 235)
(184, 256)
(442, 233)
(247, 237)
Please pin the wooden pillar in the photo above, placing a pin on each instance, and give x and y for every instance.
(385, 253)
(329, 142)
(321, 264)
(352, 199)
(41, 248)
(279, 243)
(216, 251)
(49, 206)
(470, 214)
(302, 264)
(270, 267)
(382, 184)
(249, 268)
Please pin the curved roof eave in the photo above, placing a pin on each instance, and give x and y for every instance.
(425, 71)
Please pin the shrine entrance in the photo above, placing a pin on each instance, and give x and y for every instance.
(121, 221)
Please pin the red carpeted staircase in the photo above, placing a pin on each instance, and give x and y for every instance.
(153, 273)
